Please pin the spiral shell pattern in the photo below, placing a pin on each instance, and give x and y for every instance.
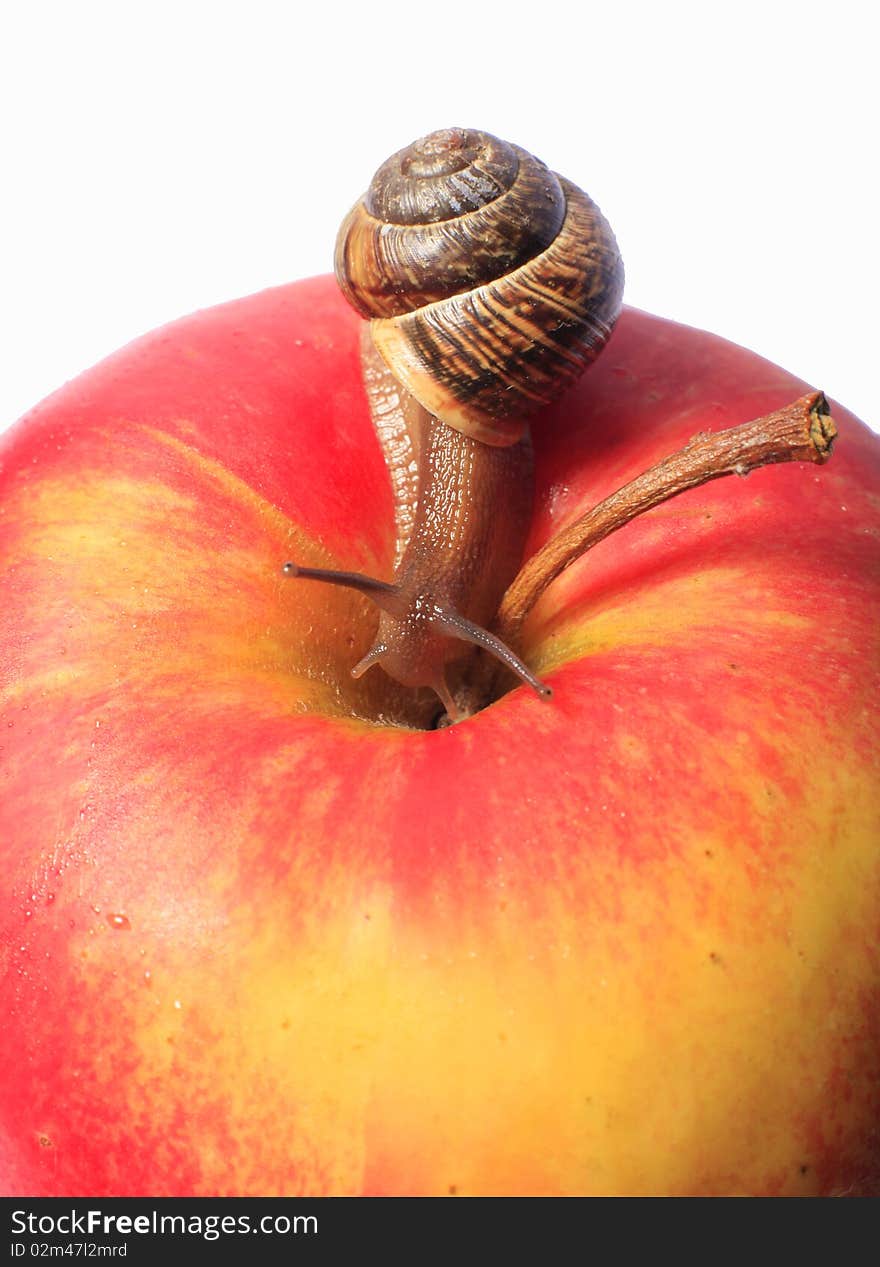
(490, 282)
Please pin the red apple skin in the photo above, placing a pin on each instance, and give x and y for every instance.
(253, 942)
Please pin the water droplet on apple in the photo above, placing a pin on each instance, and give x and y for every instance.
(119, 921)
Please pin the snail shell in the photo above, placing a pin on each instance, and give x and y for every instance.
(491, 283)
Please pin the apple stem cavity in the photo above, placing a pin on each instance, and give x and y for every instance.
(412, 620)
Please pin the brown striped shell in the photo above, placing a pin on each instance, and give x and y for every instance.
(491, 283)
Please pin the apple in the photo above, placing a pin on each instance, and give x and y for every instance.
(263, 935)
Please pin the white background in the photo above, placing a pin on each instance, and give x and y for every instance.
(158, 158)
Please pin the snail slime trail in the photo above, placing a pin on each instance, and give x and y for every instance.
(490, 285)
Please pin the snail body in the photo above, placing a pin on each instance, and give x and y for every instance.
(490, 285)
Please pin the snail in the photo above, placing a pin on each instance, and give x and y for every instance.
(490, 284)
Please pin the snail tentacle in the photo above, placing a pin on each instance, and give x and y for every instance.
(382, 593)
(457, 627)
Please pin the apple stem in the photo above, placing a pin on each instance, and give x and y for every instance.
(803, 431)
